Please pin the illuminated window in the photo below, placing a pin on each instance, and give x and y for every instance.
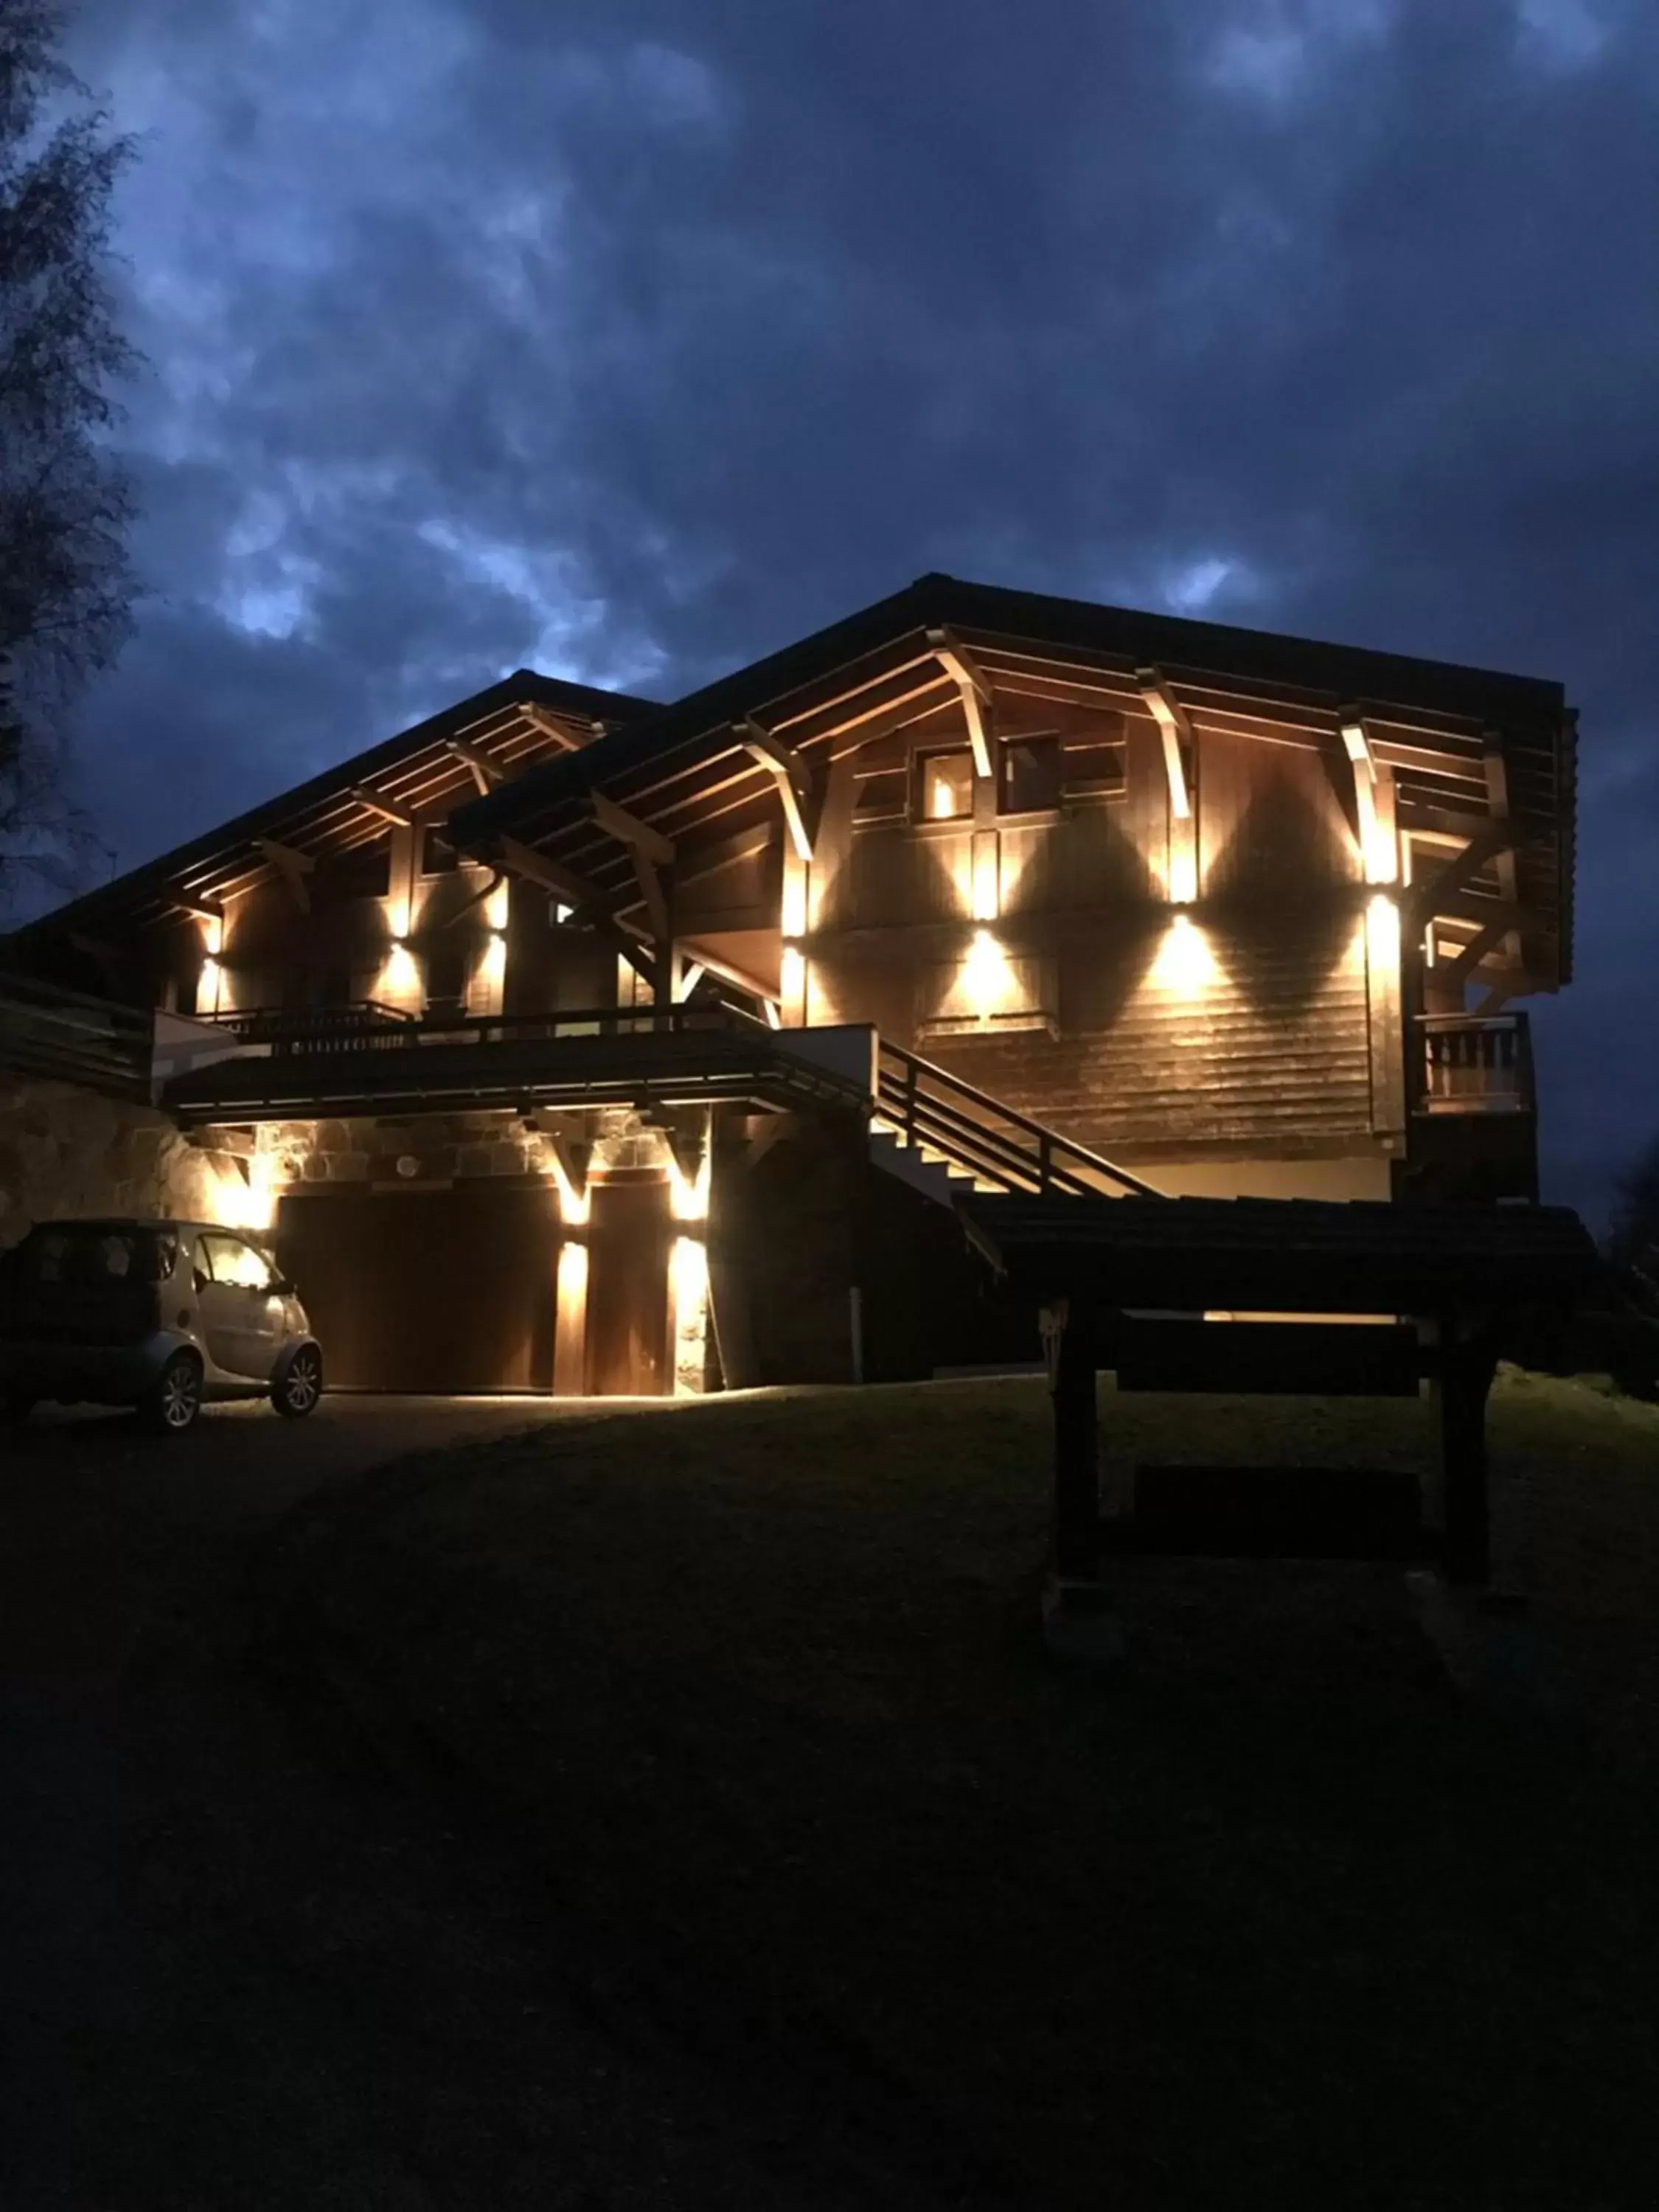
(947, 786)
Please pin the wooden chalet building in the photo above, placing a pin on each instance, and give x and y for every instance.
(571, 1041)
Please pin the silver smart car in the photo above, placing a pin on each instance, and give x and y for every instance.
(160, 1315)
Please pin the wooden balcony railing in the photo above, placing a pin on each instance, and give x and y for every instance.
(1473, 1064)
(370, 1026)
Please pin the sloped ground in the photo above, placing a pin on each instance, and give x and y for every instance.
(1279, 1917)
(246, 1962)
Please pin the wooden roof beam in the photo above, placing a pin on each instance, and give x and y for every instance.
(552, 875)
(628, 830)
(400, 817)
(487, 771)
(974, 687)
(292, 866)
(1457, 970)
(729, 972)
(208, 911)
(800, 792)
(1176, 731)
(650, 852)
(592, 909)
(1374, 798)
(1429, 897)
(1357, 742)
(548, 725)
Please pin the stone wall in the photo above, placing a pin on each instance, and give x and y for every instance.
(68, 1152)
(428, 1148)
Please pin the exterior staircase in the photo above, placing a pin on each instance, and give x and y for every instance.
(946, 1139)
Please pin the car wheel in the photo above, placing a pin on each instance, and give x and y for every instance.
(296, 1390)
(173, 1400)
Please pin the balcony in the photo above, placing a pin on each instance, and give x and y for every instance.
(1473, 1064)
(369, 1059)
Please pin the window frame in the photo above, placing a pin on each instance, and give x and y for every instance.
(208, 1237)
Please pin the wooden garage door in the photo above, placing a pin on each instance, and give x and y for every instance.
(450, 1290)
(630, 1239)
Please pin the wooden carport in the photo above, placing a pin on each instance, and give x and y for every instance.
(1129, 1286)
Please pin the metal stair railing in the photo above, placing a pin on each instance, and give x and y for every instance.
(928, 1106)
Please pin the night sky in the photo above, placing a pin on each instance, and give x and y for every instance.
(630, 341)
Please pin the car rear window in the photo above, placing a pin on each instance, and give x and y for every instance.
(90, 1255)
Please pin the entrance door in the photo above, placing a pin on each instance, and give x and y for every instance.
(429, 1291)
(630, 1238)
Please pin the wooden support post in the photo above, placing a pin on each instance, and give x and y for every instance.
(1390, 1035)
(1467, 1363)
(975, 694)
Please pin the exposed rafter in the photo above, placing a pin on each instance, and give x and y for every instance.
(628, 830)
(399, 816)
(293, 867)
(1431, 896)
(549, 726)
(800, 793)
(1457, 971)
(552, 875)
(729, 972)
(594, 909)
(1374, 799)
(1356, 740)
(974, 687)
(650, 852)
(209, 912)
(1176, 731)
(487, 771)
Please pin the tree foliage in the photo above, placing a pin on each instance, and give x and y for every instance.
(65, 498)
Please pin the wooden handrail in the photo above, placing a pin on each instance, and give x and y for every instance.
(1037, 1157)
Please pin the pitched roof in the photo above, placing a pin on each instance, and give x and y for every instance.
(686, 769)
(518, 719)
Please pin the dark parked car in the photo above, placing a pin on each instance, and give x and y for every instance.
(162, 1316)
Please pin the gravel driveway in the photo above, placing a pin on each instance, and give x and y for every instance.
(243, 1969)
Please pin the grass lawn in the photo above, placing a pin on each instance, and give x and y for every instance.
(1273, 1918)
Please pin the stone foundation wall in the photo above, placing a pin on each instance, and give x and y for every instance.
(68, 1153)
(427, 1148)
